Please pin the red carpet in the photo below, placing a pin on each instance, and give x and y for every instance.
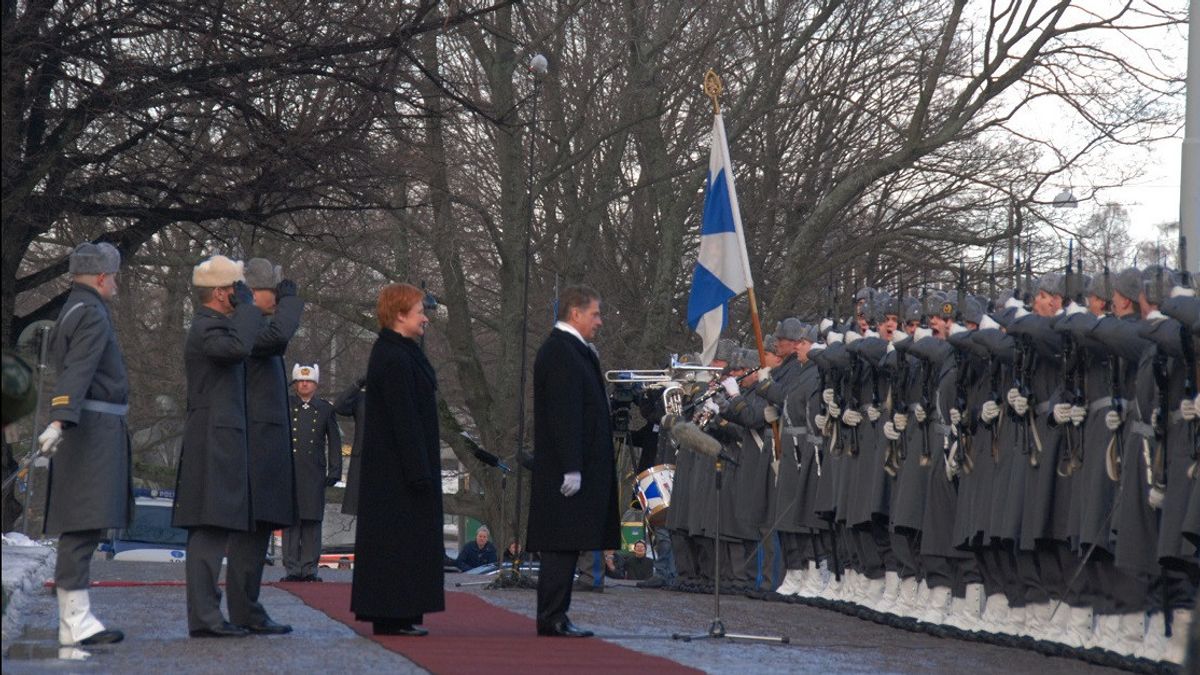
(477, 637)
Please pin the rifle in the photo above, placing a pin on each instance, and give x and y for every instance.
(1072, 460)
(962, 451)
(1189, 362)
(1156, 475)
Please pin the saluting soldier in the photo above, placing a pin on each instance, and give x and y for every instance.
(317, 448)
(212, 496)
(90, 487)
(272, 480)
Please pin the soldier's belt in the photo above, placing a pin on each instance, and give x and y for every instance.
(118, 409)
(1141, 428)
(794, 431)
(1100, 404)
(816, 439)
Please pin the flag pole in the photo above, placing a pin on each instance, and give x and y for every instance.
(713, 89)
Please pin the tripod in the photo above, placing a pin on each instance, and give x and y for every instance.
(716, 629)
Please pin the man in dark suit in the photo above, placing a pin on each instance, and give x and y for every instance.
(573, 506)
(317, 448)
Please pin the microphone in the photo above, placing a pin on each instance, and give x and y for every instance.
(483, 455)
(689, 436)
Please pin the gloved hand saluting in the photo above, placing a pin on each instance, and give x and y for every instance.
(571, 483)
(285, 289)
(242, 295)
(49, 440)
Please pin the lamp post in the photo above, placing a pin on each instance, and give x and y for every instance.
(1189, 175)
(538, 66)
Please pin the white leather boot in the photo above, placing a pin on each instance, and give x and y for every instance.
(891, 592)
(874, 590)
(937, 607)
(792, 581)
(995, 613)
(1078, 628)
(920, 601)
(75, 620)
(1120, 634)
(1015, 625)
(813, 581)
(965, 611)
(1181, 624)
(1154, 644)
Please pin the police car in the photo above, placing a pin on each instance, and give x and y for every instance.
(150, 537)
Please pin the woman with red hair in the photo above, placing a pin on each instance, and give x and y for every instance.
(398, 571)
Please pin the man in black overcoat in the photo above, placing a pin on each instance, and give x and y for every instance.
(212, 493)
(272, 480)
(317, 449)
(573, 506)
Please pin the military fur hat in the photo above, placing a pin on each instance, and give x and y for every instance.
(812, 333)
(934, 304)
(310, 373)
(789, 329)
(725, 350)
(218, 272)
(912, 309)
(89, 258)
(1052, 283)
(770, 342)
(972, 310)
(744, 359)
(1157, 282)
(1128, 283)
(879, 307)
(1101, 286)
(864, 294)
(260, 273)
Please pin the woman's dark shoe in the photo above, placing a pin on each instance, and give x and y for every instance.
(104, 637)
(388, 628)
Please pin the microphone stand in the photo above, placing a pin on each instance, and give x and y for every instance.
(716, 630)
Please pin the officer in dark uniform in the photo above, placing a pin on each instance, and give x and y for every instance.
(90, 480)
(317, 451)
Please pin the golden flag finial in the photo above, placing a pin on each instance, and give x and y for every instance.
(713, 89)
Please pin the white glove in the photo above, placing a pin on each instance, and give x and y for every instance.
(771, 414)
(900, 421)
(825, 325)
(822, 421)
(827, 396)
(1154, 418)
(1112, 420)
(1188, 409)
(919, 413)
(50, 439)
(956, 328)
(921, 333)
(989, 411)
(1196, 402)
(571, 483)
(764, 374)
(955, 416)
(1075, 309)
(1078, 414)
(852, 418)
(834, 410)
(1062, 413)
(731, 386)
(873, 413)
(711, 407)
(1019, 403)
(889, 431)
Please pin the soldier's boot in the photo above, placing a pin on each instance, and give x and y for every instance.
(920, 601)
(965, 611)
(1017, 616)
(874, 591)
(793, 580)
(1154, 644)
(76, 623)
(811, 585)
(852, 590)
(995, 615)
(906, 599)
(1076, 631)
(1181, 624)
(891, 593)
(1119, 634)
(937, 607)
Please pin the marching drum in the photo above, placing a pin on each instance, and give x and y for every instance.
(654, 492)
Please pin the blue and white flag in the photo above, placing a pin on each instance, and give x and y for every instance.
(723, 267)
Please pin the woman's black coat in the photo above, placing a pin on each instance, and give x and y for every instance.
(398, 543)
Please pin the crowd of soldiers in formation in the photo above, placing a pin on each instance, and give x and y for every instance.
(1020, 470)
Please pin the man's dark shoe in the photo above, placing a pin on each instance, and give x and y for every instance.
(269, 627)
(398, 629)
(104, 637)
(311, 577)
(652, 582)
(292, 577)
(226, 629)
(563, 629)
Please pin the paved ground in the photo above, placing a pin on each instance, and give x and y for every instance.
(821, 641)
